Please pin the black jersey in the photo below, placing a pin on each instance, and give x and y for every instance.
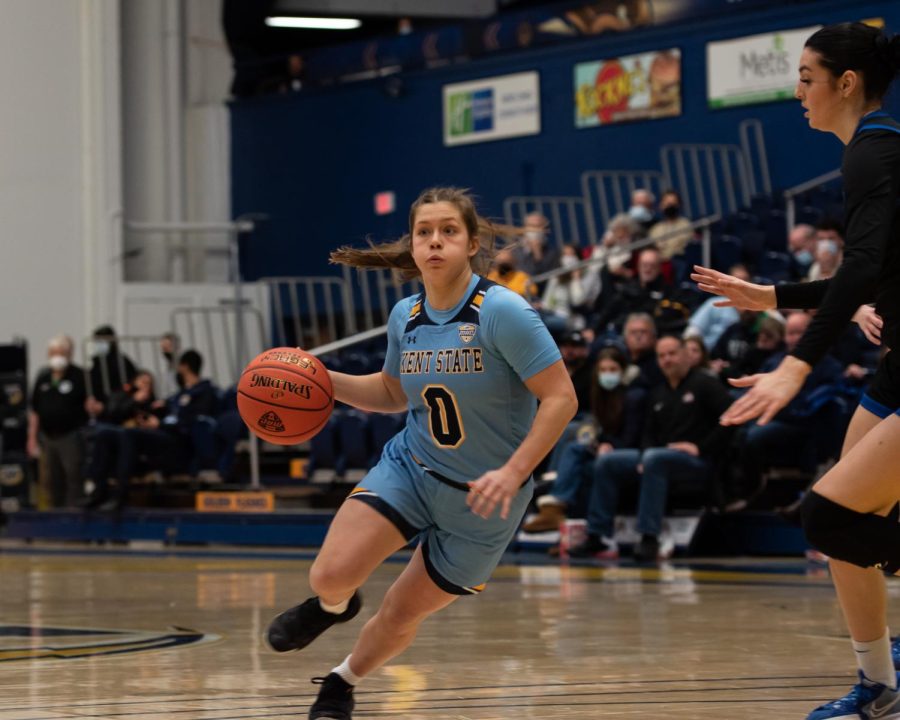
(870, 271)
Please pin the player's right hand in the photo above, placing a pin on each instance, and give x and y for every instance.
(737, 293)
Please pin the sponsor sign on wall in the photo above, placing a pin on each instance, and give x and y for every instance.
(633, 87)
(491, 109)
(754, 69)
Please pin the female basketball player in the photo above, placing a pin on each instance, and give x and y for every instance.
(468, 359)
(851, 513)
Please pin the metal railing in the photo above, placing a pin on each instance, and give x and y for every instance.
(698, 171)
(790, 195)
(610, 191)
(569, 217)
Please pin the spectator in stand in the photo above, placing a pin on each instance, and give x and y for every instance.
(673, 232)
(709, 321)
(643, 294)
(617, 416)
(727, 355)
(129, 408)
(111, 370)
(801, 246)
(698, 355)
(621, 232)
(170, 349)
(643, 210)
(788, 438)
(575, 352)
(504, 271)
(55, 424)
(639, 334)
(534, 255)
(682, 442)
(166, 438)
(829, 250)
(567, 295)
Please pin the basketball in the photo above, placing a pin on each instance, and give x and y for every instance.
(285, 396)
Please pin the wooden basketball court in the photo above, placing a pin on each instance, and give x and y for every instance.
(149, 634)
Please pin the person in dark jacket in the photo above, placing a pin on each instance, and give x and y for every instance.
(681, 441)
(55, 426)
(617, 418)
(111, 369)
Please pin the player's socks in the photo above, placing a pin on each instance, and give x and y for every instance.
(335, 609)
(875, 661)
(346, 673)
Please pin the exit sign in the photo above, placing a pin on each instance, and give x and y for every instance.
(385, 202)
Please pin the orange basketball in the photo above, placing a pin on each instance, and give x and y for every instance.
(285, 395)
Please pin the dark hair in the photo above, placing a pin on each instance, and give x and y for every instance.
(193, 360)
(397, 255)
(860, 47)
(704, 352)
(608, 405)
(831, 224)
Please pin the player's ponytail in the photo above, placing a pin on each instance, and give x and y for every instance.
(397, 255)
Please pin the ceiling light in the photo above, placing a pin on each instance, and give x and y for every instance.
(314, 23)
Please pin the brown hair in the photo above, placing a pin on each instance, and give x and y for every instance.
(397, 255)
(608, 405)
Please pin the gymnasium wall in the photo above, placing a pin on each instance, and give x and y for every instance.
(312, 161)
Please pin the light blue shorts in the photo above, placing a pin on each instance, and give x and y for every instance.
(461, 549)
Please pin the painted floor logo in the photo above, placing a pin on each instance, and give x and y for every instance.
(30, 642)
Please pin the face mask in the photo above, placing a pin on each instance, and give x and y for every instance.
(804, 257)
(829, 246)
(102, 347)
(609, 380)
(640, 213)
(671, 212)
(58, 363)
(567, 261)
(504, 268)
(534, 235)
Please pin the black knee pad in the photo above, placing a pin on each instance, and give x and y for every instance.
(862, 539)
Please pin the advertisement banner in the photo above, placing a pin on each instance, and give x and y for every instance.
(491, 109)
(754, 69)
(633, 87)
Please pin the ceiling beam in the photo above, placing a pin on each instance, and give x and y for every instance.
(412, 8)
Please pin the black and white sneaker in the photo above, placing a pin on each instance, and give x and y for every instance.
(335, 700)
(296, 628)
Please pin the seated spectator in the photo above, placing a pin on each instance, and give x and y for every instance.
(709, 321)
(170, 349)
(682, 442)
(639, 335)
(535, 255)
(643, 210)
(505, 272)
(727, 355)
(643, 294)
(673, 232)
(617, 414)
(568, 294)
(801, 246)
(698, 355)
(789, 438)
(111, 370)
(167, 442)
(575, 352)
(130, 408)
(621, 232)
(55, 425)
(829, 250)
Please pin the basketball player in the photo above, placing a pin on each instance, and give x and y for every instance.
(851, 513)
(468, 359)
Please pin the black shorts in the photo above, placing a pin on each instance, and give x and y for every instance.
(883, 395)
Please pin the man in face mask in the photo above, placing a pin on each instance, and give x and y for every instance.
(111, 370)
(828, 250)
(673, 232)
(642, 209)
(801, 245)
(534, 254)
(55, 425)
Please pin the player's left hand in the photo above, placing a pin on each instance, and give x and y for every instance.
(497, 487)
(769, 393)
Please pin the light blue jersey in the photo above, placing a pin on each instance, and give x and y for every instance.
(463, 371)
